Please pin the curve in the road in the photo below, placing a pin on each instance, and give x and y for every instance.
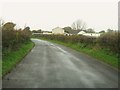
(51, 65)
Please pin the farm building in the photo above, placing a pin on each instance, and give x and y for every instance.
(58, 30)
(46, 32)
(81, 32)
(89, 34)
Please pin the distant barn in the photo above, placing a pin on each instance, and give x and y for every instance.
(89, 34)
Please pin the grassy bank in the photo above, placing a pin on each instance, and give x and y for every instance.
(0, 68)
(14, 57)
(99, 54)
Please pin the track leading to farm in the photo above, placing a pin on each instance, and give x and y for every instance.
(51, 65)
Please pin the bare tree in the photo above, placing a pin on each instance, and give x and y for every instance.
(78, 25)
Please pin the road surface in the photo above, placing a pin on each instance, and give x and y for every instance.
(51, 65)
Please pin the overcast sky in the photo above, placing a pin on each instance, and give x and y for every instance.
(99, 15)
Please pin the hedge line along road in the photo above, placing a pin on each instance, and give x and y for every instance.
(50, 65)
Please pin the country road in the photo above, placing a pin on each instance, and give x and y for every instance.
(50, 65)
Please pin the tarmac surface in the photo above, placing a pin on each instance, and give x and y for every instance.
(50, 65)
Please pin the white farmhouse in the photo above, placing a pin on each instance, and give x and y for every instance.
(57, 30)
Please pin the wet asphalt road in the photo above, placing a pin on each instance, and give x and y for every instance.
(51, 65)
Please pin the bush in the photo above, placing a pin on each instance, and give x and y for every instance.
(11, 38)
(109, 41)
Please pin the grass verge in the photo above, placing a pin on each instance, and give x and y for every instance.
(0, 68)
(101, 55)
(14, 57)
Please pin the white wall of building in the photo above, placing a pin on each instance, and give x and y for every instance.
(89, 34)
(47, 33)
(81, 32)
(92, 34)
(57, 30)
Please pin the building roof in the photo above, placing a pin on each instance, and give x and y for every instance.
(75, 31)
(72, 31)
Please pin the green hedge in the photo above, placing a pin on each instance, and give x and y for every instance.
(107, 41)
(13, 38)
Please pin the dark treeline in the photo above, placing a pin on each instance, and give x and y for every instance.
(13, 38)
(107, 41)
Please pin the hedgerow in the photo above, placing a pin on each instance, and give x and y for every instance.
(13, 38)
(108, 41)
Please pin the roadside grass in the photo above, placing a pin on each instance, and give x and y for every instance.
(0, 68)
(14, 57)
(99, 54)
